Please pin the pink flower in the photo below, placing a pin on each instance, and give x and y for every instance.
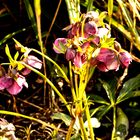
(5, 82)
(125, 58)
(90, 29)
(70, 54)
(11, 85)
(33, 62)
(106, 60)
(75, 30)
(17, 85)
(79, 59)
(59, 45)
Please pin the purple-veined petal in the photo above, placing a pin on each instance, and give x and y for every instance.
(17, 85)
(101, 66)
(59, 45)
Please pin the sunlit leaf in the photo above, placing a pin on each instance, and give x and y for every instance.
(16, 56)
(7, 51)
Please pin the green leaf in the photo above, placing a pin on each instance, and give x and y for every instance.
(110, 89)
(103, 110)
(76, 136)
(129, 89)
(31, 15)
(99, 99)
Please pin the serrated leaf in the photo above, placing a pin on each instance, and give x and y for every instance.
(129, 89)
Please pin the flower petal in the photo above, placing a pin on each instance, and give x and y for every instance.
(59, 45)
(34, 62)
(125, 58)
(5, 82)
(70, 54)
(14, 89)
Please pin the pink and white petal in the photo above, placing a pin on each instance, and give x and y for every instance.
(34, 62)
(21, 81)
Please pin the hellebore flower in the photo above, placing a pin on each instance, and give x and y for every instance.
(79, 59)
(5, 82)
(90, 29)
(125, 58)
(70, 54)
(11, 85)
(59, 45)
(106, 60)
(75, 30)
(17, 85)
(33, 62)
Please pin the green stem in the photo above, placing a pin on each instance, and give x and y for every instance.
(92, 136)
(44, 124)
(37, 6)
(71, 82)
(50, 83)
(82, 127)
(59, 68)
(114, 123)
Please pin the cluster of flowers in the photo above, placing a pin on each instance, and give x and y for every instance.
(89, 41)
(14, 80)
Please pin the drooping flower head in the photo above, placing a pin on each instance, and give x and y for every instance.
(85, 37)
